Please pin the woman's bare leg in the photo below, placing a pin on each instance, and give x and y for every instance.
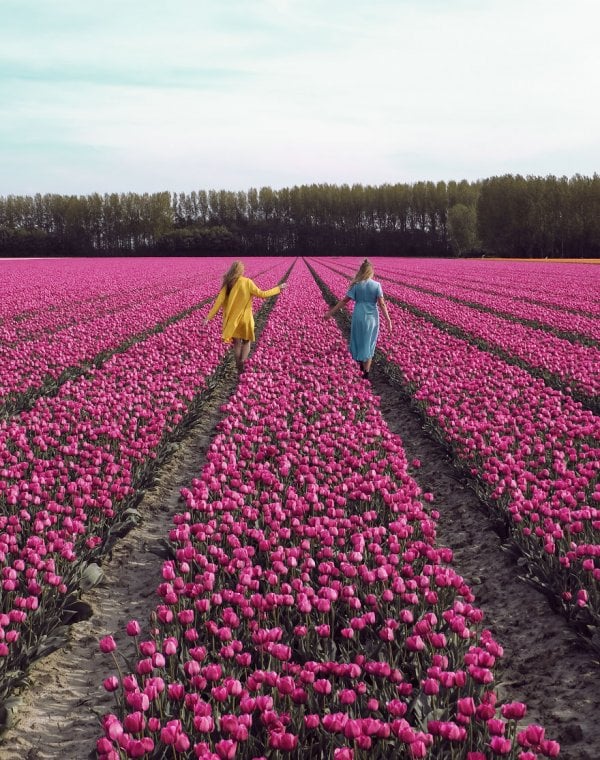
(244, 353)
(367, 365)
(241, 349)
(237, 352)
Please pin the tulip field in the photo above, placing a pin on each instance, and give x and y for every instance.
(306, 607)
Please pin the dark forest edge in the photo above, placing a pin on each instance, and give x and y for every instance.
(508, 216)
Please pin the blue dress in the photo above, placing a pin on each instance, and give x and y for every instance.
(365, 319)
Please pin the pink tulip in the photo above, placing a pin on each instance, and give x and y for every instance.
(170, 646)
(104, 746)
(322, 686)
(550, 748)
(513, 710)
(226, 749)
(466, 706)
(417, 749)
(343, 753)
(134, 722)
(496, 727)
(352, 729)
(133, 628)
(107, 644)
(500, 746)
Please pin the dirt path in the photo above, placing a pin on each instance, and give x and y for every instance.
(544, 663)
(57, 716)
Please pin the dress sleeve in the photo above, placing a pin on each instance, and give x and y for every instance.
(379, 290)
(256, 291)
(352, 293)
(218, 303)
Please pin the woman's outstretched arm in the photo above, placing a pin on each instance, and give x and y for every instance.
(384, 309)
(256, 291)
(334, 309)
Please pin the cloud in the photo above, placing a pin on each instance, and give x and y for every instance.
(279, 92)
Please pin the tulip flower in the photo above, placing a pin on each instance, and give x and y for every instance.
(107, 644)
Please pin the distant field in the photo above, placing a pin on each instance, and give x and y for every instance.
(547, 261)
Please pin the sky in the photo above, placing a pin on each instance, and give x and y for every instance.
(148, 95)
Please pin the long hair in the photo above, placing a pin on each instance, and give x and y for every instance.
(365, 271)
(232, 275)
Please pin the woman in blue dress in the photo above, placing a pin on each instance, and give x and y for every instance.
(364, 329)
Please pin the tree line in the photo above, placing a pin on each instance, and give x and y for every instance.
(511, 216)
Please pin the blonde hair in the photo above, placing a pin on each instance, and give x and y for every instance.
(365, 271)
(232, 275)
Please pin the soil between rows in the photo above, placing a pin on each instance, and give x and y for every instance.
(544, 664)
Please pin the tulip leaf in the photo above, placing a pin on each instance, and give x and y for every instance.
(9, 710)
(91, 576)
(421, 709)
(48, 644)
(162, 548)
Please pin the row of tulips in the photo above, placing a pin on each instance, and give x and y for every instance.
(26, 292)
(572, 366)
(580, 326)
(571, 288)
(534, 450)
(38, 294)
(81, 292)
(307, 611)
(33, 367)
(70, 468)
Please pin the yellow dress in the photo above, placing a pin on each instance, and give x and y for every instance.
(238, 320)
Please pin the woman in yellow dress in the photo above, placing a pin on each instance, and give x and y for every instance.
(235, 297)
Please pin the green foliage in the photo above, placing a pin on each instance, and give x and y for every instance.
(462, 228)
(539, 217)
(199, 241)
(25, 243)
(509, 216)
